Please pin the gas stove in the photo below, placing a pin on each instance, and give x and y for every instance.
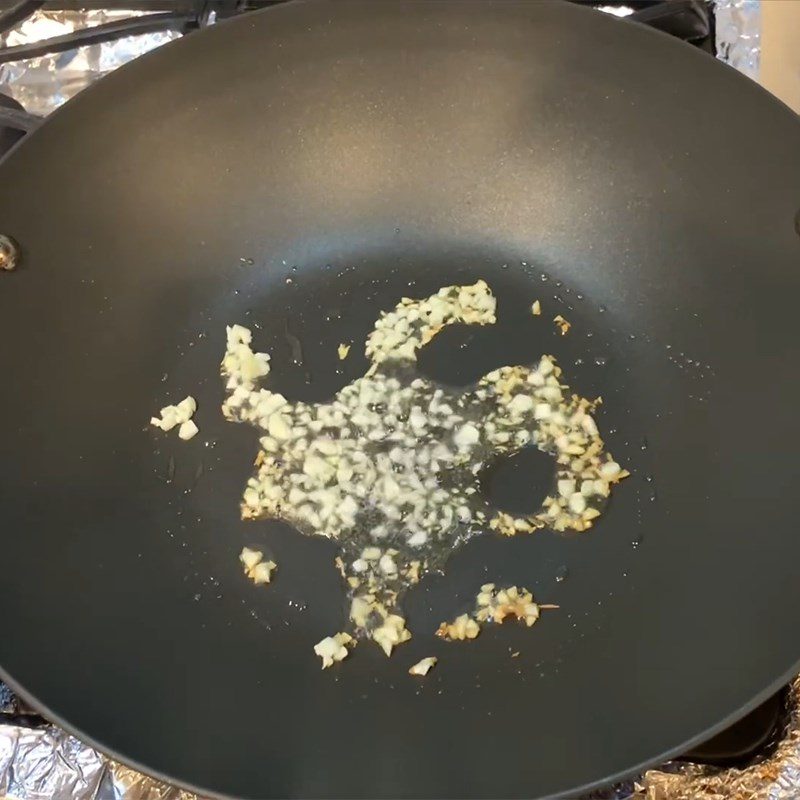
(49, 51)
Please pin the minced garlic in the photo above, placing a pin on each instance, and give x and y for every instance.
(493, 605)
(395, 459)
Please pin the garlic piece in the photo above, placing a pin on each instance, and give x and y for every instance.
(188, 430)
(466, 436)
(250, 558)
(240, 364)
(536, 308)
(180, 414)
(566, 487)
(262, 572)
(387, 565)
(520, 404)
(333, 648)
(342, 351)
(423, 666)
(563, 325)
(610, 470)
(278, 427)
(577, 503)
(391, 633)
(360, 610)
(417, 539)
(259, 571)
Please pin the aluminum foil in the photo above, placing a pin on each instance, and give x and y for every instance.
(738, 34)
(48, 764)
(43, 84)
(39, 761)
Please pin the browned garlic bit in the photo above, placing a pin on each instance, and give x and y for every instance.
(536, 308)
(342, 351)
(493, 605)
(258, 570)
(181, 415)
(563, 325)
(390, 467)
(333, 648)
(424, 666)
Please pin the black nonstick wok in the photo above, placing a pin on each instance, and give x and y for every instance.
(297, 171)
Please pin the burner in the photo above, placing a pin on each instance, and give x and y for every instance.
(9, 136)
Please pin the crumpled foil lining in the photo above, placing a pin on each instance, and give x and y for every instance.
(738, 34)
(49, 764)
(42, 84)
(45, 763)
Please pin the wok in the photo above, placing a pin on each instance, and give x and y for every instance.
(297, 171)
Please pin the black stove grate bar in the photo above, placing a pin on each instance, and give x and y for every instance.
(18, 13)
(19, 120)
